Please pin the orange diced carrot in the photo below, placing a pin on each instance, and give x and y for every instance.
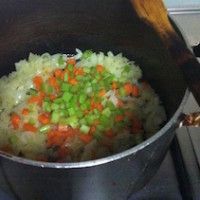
(38, 80)
(29, 127)
(25, 111)
(99, 68)
(135, 91)
(15, 119)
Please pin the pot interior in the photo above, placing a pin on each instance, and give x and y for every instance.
(62, 26)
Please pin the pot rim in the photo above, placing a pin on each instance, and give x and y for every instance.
(92, 163)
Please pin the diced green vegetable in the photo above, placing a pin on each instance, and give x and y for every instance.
(45, 128)
(55, 116)
(86, 54)
(64, 87)
(67, 96)
(60, 60)
(70, 67)
(12, 139)
(85, 129)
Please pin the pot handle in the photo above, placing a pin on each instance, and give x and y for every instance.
(192, 119)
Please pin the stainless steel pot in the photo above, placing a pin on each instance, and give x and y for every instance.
(61, 26)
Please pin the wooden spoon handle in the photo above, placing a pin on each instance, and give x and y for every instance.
(154, 13)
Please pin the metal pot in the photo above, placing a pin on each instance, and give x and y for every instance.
(61, 26)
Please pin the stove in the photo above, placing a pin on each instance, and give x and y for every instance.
(179, 175)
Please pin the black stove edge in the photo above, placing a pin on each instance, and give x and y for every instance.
(181, 171)
(186, 164)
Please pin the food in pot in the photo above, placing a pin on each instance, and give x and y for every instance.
(64, 108)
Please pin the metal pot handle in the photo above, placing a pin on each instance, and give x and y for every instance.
(192, 119)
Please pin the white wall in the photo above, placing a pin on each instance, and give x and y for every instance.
(182, 3)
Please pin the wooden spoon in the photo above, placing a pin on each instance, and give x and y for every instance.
(154, 13)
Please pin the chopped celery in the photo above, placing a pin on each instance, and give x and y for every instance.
(79, 77)
(55, 116)
(122, 92)
(44, 129)
(31, 121)
(86, 69)
(54, 106)
(82, 121)
(82, 97)
(58, 100)
(64, 87)
(63, 121)
(70, 67)
(60, 60)
(73, 121)
(104, 121)
(46, 106)
(71, 111)
(12, 139)
(67, 96)
(66, 77)
(46, 88)
(74, 89)
(79, 113)
(84, 106)
(106, 112)
(86, 54)
(90, 119)
(127, 68)
(85, 129)
(73, 103)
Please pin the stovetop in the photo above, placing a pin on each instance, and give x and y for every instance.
(179, 175)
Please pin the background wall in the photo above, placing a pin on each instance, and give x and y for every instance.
(182, 3)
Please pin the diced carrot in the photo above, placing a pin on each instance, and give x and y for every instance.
(37, 99)
(135, 91)
(119, 118)
(86, 138)
(128, 88)
(58, 73)
(85, 112)
(99, 68)
(29, 127)
(38, 80)
(71, 61)
(92, 130)
(34, 99)
(110, 133)
(6, 148)
(42, 159)
(120, 103)
(15, 119)
(44, 118)
(102, 92)
(73, 81)
(96, 122)
(79, 71)
(52, 97)
(114, 85)
(98, 105)
(53, 82)
(25, 111)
